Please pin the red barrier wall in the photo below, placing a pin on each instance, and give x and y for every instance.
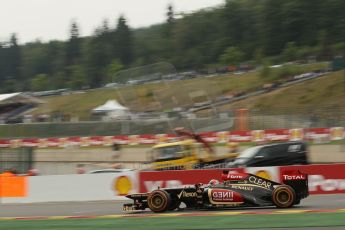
(323, 179)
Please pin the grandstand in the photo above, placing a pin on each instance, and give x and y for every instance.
(14, 105)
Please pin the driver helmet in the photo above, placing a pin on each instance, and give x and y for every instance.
(213, 182)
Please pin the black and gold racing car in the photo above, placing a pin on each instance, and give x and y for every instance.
(236, 190)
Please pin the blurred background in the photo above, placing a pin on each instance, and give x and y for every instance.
(232, 66)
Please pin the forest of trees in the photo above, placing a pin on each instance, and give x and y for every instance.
(253, 31)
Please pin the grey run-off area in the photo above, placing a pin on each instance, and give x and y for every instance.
(96, 208)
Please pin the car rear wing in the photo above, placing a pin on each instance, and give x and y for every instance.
(298, 181)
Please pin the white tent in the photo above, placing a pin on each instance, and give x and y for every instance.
(18, 98)
(112, 109)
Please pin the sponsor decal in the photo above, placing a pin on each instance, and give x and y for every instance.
(108, 140)
(294, 177)
(161, 138)
(221, 195)
(296, 134)
(16, 143)
(277, 134)
(337, 133)
(242, 187)
(224, 196)
(134, 139)
(223, 137)
(122, 185)
(234, 175)
(318, 134)
(184, 194)
(147, 139)
(260, 182)
(322, 179)
(42, 143)
(319, 182)
(258, 135)
(240, 136)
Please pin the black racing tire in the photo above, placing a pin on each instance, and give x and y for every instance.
(283, 196)
(159, 201)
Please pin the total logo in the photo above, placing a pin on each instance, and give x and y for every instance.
(294, 177)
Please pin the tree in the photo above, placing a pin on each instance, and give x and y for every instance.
(40, 82)
(114, 67)
(78, 79)
(273, 32)
(123, 42)
(232, 56)
(266, 70)
(73, 45)
(10, 85)
(13, 58)
(259, 56)
(170, 21)
(260, 29)
(289, 52)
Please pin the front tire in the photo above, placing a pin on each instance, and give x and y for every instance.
(159, 201)
(283, 196)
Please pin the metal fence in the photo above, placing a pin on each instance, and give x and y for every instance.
(277, 118)
(298, 117)
(131, 127)
(18, 160)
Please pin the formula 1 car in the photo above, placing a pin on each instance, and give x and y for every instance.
(236, 190)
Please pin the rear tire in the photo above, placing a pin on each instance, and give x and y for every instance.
(159, 201)
(283, 196)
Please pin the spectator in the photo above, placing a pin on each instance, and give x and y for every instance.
(116, 148)
(81, 169)
(33, 172)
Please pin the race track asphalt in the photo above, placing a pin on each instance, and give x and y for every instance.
(99, 208)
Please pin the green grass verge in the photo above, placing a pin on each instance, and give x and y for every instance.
(191, 222)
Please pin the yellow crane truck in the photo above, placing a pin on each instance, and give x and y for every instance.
(190, 152)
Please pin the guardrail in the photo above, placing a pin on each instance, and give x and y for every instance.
(296, 134)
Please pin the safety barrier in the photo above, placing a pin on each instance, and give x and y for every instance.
(62, 188)
(323, 179)
(312, 134)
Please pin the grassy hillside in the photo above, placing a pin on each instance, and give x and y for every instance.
(306, 97)
(162, 96)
